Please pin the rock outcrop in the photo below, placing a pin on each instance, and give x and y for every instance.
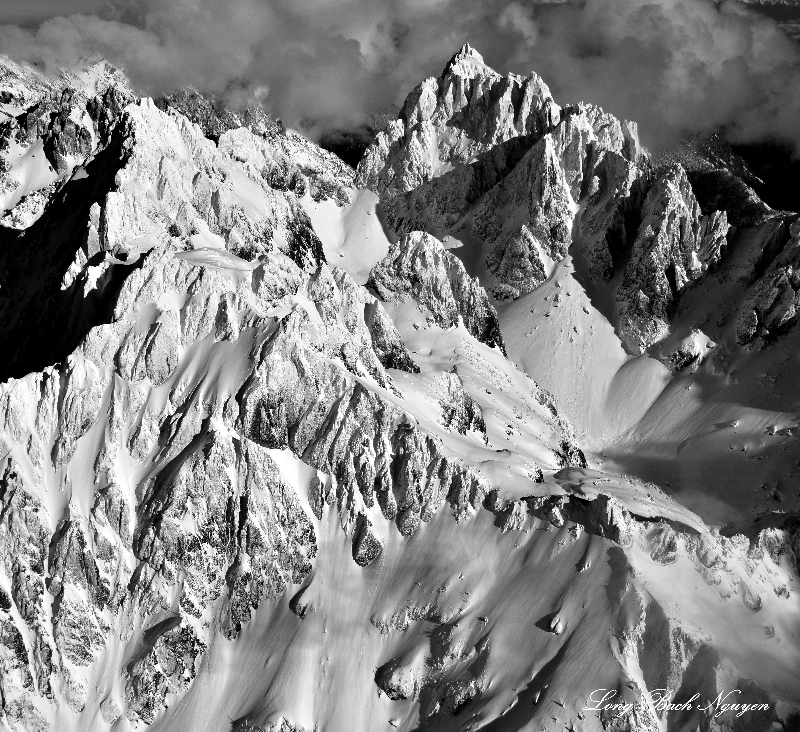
(675, 245)
(774, 302)
(523, 187)
(418, 266)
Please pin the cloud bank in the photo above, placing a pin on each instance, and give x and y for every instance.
(676, 66)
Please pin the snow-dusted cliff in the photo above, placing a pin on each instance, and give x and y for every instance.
(265, 463)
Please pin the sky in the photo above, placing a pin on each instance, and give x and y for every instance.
(677, 67)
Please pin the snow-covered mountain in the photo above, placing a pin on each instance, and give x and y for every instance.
(272, 458)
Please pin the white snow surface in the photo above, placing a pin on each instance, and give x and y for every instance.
(503, 614)
(353, 237)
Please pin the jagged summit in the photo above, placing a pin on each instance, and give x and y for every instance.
(473, 150)
(465, 53)
(469, 115)
(686, 270)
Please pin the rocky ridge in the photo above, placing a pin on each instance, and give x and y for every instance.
(228, 339)
(674, 246)
(519, 195)
(418, 266)
(229, 413)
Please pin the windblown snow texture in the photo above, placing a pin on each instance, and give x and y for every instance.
(504, 416)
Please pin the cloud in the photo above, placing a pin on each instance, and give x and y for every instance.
(35, 11)
(676, 66)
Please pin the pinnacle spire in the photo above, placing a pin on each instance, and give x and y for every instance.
(466, 52)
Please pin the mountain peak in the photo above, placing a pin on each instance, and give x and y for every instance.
(465, 53)
(243, 401)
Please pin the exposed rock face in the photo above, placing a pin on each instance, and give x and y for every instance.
(459, 409)
(774, 303)
(58, 119)
(538, 189)
(419, 266)
(65, 138)
(386, 341)
(590, 165)
(366, 545)
(674, 247)
(481, 108)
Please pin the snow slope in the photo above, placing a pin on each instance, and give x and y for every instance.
(657, 312)
(270, 460)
